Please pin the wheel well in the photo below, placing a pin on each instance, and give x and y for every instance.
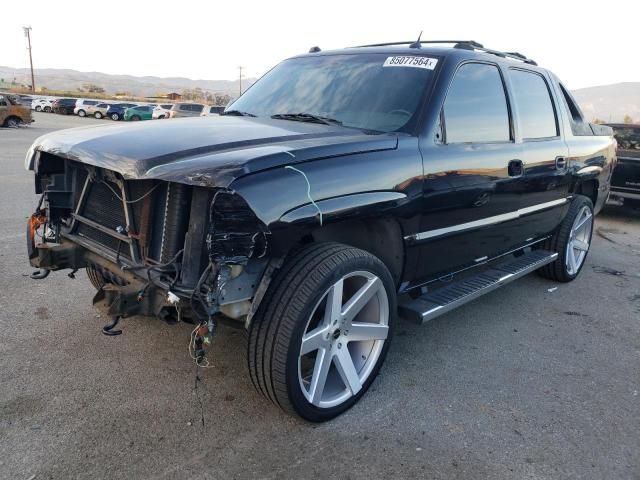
(11, 117)
(588, 188)
(380, 237)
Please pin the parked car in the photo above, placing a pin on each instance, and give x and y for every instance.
(116, 111)
(179, 110)
(625, 184)
(64, 106)
(24, 100)
(161, 111)
(82, 105)
(212, 110)
(99, 110)
(42, 104)
(12, 112)
(140, 112)
(310, 219)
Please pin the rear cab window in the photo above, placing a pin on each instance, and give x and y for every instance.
(475, 110)
(576, 119)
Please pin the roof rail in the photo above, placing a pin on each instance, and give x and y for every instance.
(460, 44)
(417, 42)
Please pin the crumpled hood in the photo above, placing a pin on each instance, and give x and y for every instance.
(210, 151)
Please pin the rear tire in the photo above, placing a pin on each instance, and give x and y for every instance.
(96, 278)
(115, 117)
(135, 118)
(11, 122)
(47, 109)
(97, 115)
(296, 334)
(38, 108)
(571, 241)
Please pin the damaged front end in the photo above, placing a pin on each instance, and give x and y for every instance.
(153, 247)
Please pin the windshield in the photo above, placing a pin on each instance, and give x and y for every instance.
(378, 92)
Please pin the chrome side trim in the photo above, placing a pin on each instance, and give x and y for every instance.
(505, 217)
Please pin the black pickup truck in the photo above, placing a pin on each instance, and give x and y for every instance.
(625, 184)
(342, 187)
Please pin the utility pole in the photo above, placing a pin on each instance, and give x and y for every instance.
(27, 33)
(240, 68)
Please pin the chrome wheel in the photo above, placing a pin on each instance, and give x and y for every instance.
(343, 339)
(579, 239)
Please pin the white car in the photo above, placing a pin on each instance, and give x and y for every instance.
(161, 111)
(42, 104)
(82, 105)
(212, 110)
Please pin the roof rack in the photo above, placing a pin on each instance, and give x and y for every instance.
(460, 44)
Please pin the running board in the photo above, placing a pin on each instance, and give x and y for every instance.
(440, 301)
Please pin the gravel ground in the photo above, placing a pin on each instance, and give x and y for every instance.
(526, 382)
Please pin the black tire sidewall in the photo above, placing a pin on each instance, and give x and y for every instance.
(297, 398)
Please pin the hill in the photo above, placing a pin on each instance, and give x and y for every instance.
(610, 102)
(63, 79)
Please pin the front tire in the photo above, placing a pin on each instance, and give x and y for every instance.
(47, 109)
(115, 117)
(82, 113)
(571, 241)
(96, 278)
(322, 331)
(38, 108)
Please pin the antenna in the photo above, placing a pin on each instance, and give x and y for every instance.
(417, 43)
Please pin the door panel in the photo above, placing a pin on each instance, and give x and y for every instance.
(481, 206)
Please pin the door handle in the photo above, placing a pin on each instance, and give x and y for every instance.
(561, 163)
(515, 168)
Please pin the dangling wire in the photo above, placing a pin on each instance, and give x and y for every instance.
(308, 190)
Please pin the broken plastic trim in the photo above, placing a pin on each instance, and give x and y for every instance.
(235, 233)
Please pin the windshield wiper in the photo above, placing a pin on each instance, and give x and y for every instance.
(238, 113)
(306, 117)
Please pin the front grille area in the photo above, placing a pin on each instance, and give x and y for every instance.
(151, 227)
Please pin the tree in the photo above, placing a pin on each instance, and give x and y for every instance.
(222, 99)
(597, 120)
(627, 119)
(92, 88)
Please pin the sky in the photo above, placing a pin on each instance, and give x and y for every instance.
(586, 43)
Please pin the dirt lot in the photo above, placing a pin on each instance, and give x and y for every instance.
(526, 382)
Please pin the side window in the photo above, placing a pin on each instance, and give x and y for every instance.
(533, 101)
(3, 102)
(197, 108)
(185, 107)
(475, 110)
(578, 126)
